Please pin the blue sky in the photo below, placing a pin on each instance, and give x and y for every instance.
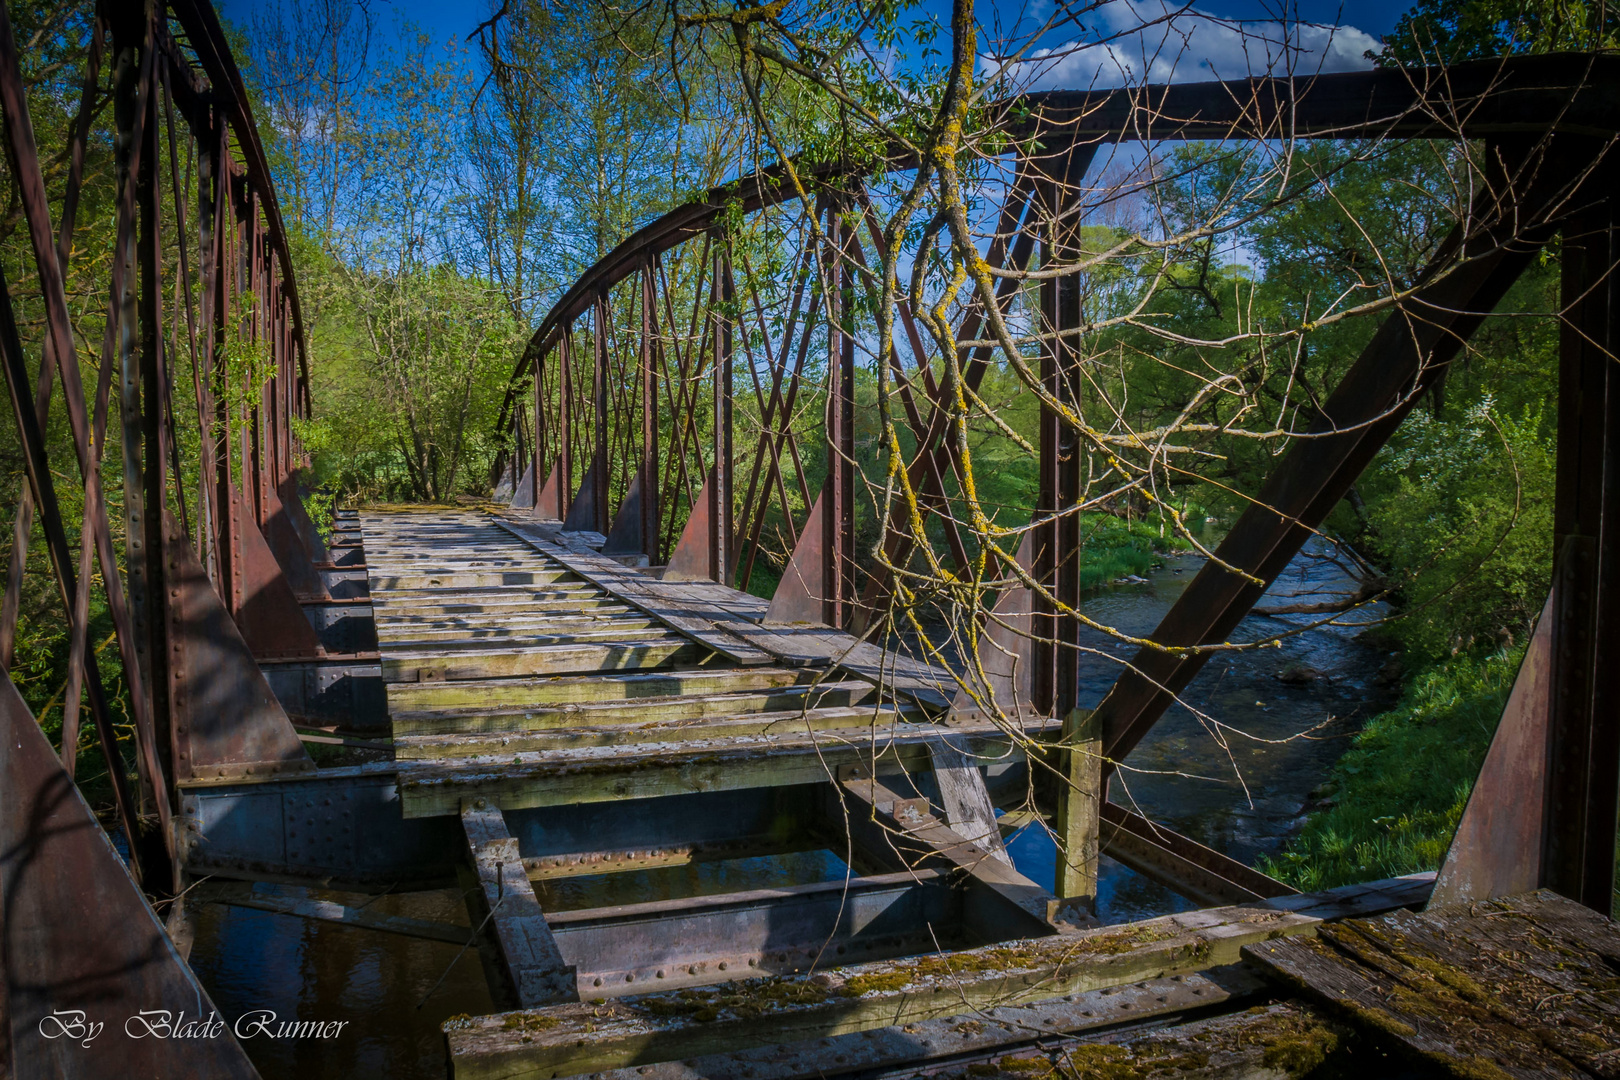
(446, 20)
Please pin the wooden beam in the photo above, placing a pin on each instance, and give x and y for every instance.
(521, 955)
(901, 834)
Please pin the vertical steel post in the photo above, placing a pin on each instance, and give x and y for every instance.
(566, 417)
(649, 417)
(599, 422)
(838, 523)
(154, 432)
(720, 516)
(1584, 748)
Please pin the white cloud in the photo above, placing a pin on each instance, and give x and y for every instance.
(1131, 42)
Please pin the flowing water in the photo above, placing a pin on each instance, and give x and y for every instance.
(1231, 767)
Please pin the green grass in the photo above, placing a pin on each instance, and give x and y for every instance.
(1399, 790)
(1114, 548)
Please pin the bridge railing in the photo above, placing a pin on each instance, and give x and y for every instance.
(198, 374)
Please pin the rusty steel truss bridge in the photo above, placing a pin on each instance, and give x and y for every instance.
(574, 680)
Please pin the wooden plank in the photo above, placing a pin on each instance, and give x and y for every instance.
(636, 1031)
(1079, 805)
(542, 716)
(1007, 1027)
(968, 810)
(597, 774)
(607, 686)
(902, 834)
(736, 615)
(285, 900)
(558, 660)
(663, 602)
(530, 967)
(850, 721)
(1520, 987)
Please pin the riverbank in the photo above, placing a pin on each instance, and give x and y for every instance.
(1392, 802)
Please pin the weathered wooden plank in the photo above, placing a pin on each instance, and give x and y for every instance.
(284, 900)
(1079, 805)
(738, 615)
(1515, 987)
(464, 579)
(530, 967)
(595, 774)
(607, 686)
(557, 660)
(966, 800)
(848, 720)
(998, 1029)
(663, 602)
(636, 1031)
(902, 834)
(543, 717)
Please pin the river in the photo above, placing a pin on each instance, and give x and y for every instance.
(1241, 793)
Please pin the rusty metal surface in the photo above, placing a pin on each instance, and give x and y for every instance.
(802, 594)
(269, 615)
(78, 941)
(226, 720)
(1200, 873)
(549, 503)
(1583, 768)
(696, 556)
(1497, 849)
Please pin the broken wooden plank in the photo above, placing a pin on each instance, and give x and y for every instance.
(1522, 986)
(634, 1031)
(528, 966)
(902, 834)
(965, 799)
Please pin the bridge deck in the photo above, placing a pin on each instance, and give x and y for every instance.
(529, 672)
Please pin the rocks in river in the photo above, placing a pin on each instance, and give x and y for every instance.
(1391, 672)
(1131, 579)
(1298, 675)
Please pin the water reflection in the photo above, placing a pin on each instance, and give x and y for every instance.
(307, 970)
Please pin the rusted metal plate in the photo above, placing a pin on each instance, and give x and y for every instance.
(695, 557)
(1497, 848)
(549, 503)
(291, 554)
(523, 494)
(582, 512)
(627, 534)
(226, 721)
(801, 595)
(292, 501)
(78, 942)
(270, 618)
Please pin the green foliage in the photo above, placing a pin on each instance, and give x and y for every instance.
(1445, 31)
(1466, 518)
(1400, 789)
